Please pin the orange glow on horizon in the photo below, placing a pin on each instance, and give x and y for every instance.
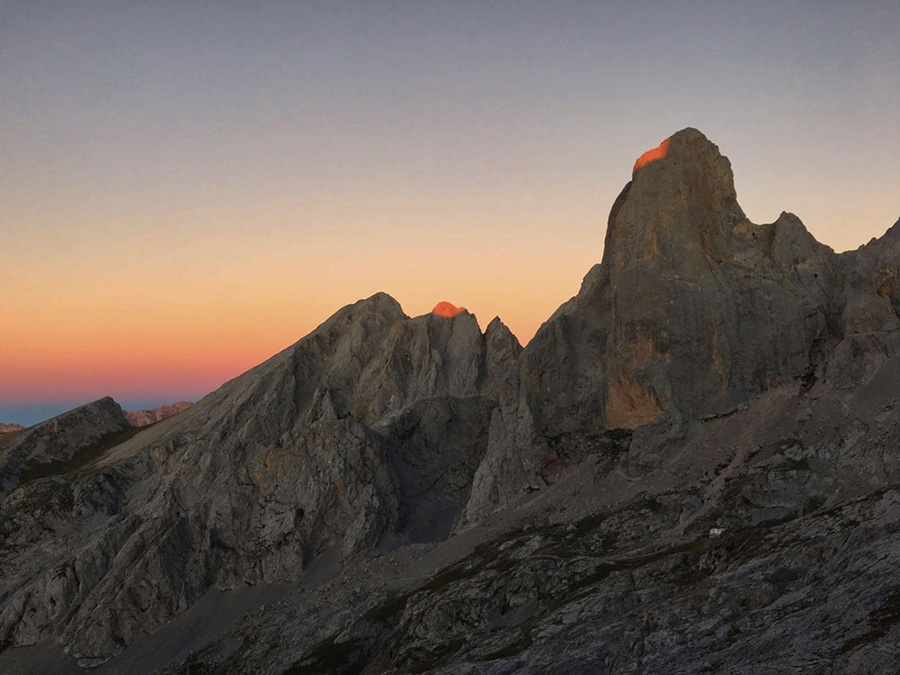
(144, 314)
(184, 338)
(659, 152)
(447, 310)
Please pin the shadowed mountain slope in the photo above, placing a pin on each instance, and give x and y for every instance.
(331, 444)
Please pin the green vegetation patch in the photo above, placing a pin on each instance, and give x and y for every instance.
(344, 658)
(83, 459)
(9, 438)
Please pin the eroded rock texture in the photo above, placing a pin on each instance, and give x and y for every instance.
(143, 418)
(367, 430)
(60, 443)
(692, 467)
(693, 312)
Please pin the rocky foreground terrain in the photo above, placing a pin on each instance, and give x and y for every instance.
(694, 467)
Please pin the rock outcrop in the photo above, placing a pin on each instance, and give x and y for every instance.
(447, 310)
(692, 467)
(693, 312)
(143, 418)
(9, 428)
(366, 432)
(61, 444)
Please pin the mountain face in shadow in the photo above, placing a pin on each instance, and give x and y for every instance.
(692, 467)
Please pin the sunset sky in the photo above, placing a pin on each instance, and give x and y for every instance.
(187, 188)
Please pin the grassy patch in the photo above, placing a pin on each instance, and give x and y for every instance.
(194, 667)
(388, 610)
(514, 648)
(9, 438)
(82, 459)
(790, 464)
(344, 658)
(438, 657)
(814, 503)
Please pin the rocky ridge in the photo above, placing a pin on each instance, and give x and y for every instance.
(143, 418)
(328, 446)
(60, 444)
(425, 497)
(9, 428)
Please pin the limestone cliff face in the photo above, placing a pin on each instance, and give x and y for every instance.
(869, 301)
(693, 312)
(365, 432)
(694, 309)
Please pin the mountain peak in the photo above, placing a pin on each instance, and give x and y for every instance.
(381, 300)
(678, 209)
(380, 304)
(447, 310)
(688, 139)
(652, 155)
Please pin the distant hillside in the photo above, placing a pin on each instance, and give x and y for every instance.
(143, 418)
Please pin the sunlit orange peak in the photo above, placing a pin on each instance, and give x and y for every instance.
(656, 153)
(446, 309)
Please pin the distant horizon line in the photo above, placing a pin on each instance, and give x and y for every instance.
(30, 414)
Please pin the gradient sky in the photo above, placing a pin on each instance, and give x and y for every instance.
(188, 187)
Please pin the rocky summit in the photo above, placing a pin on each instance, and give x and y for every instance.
(693, 467)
